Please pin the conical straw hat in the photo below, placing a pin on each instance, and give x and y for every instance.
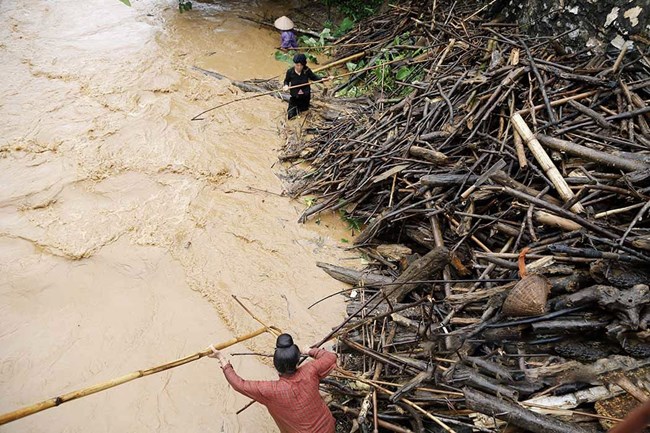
(283, 23)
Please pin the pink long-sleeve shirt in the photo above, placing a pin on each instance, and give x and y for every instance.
(293, 400)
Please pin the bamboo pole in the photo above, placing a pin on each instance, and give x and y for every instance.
(257, 95)
(562, 212)
(519, 144)
(556, 221)
(270, 329)
(342, 61)
(560, 101)
(617, 211)
(545, 161)
(56, 401)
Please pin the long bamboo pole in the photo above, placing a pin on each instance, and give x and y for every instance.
(342, 61)
(271, 329)
(56, 401)
(270, 92)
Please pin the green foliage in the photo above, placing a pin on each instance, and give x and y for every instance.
(404, 38)
(330, 30)
(355, 9)
(353, 223)
(326, 33)
(355, 66)
(345, 26)
(126, 2)
(311, 42)
(386, 72)
(317, 45)
(384, 77)
(403, 72)
(281, 56)
(352, 92)
(184, 5)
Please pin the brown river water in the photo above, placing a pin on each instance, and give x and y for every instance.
(125, 227)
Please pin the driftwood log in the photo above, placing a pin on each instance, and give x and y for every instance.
(515, 414)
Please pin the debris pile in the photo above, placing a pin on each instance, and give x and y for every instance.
(503, 187)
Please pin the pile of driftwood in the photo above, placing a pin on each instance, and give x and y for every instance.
(504, 195)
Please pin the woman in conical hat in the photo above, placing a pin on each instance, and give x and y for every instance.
(288, 39)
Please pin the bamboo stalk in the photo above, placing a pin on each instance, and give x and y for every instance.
(519, 148)
(559, 211)
(617, 211)
(556, 221)
(560, 101)
(270, 329)
(270, 92)
(619, 59)
(342, 61)
(545, 161)
(56, 401)
(449, 47)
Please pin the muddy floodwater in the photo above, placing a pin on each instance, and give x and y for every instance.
(125, 228)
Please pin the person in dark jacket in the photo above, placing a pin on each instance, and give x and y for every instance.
(299, 75)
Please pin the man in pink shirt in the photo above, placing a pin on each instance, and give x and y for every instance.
(293, 400)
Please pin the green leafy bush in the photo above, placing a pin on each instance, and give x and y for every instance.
(355, 9)
(184, 6)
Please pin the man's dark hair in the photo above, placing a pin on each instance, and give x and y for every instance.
(286, 356)
(300, 58)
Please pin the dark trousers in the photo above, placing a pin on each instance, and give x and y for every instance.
(298, 104)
